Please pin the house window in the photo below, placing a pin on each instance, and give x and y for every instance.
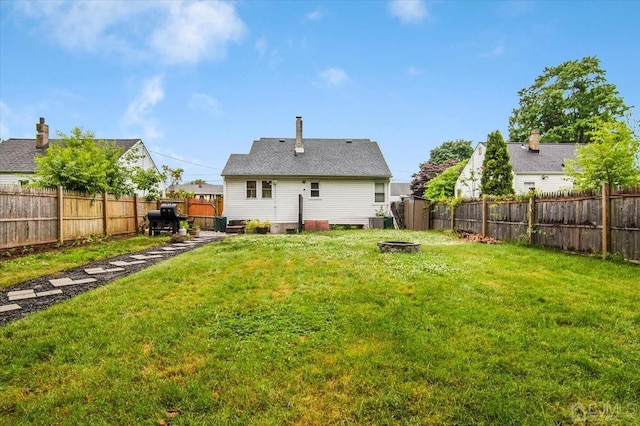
(529, 185)
(315, 189)
(266, 189)
(379, 192)
(251, 189)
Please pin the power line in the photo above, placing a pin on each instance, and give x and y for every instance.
(185, 161)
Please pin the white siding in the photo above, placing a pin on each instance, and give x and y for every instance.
(13, 179)
(143, 160)
(468, 183)
(542, 182)
(340, 201)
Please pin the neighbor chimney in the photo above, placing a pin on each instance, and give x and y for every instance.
(299, 144)
(534, 141)
(42, 135)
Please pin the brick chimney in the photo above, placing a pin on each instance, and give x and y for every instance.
(42, 135)
(299, 143)
(534, 141)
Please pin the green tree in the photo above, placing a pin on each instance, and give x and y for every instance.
(428, 171)
(79, 162)
(613, 157)
(443, 186)
(174, 175)
(459, 149)
(148, 181)
(497, 174)
(566, 103)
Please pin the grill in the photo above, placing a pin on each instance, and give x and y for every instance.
(165, 219)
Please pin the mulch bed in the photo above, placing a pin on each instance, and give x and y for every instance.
(42, 284)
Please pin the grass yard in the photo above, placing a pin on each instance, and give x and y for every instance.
(323, 329)
(17, 270)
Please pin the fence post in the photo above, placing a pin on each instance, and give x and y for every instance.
(105, 216)
(453, 217)
(427, 215)
(136, 222)
(532, 215)
(606, 218)
(484, 215)
(60, 215)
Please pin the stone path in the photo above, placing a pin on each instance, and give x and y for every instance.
(58, 287)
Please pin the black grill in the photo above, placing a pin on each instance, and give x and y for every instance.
(165, 219)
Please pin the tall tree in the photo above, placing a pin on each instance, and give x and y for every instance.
(428, 171)
(566, 102)
(497, 174)
(612, 157)
(79, 162)
(443, 186)
(459, 149)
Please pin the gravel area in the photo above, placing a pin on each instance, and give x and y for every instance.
(42, 284)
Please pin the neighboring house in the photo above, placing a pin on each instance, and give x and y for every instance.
(342, 181)
(204, 192)
(399, 191)
(535, 165)
(17, 156)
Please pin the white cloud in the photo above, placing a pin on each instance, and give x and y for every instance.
(266, 53)
(316, 15)
(493, 52)
(195, 31)
(140, 108)
(175, 31)
(204, 102)
(408, 11)
(333, 76)
(413, 71)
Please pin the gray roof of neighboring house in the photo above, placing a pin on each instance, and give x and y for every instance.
(400, 189)
(550, 159)
(321, 157)
(205, 189)
(18, 155)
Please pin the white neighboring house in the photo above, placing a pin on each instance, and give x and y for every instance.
(18, 165)
(400, 191)
(342, 181)
(534, 165)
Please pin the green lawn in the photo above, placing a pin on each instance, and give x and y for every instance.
(323, 329)
(17, 270)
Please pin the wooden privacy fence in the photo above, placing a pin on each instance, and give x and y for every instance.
(598, 222)
(31, 216)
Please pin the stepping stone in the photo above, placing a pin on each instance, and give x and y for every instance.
(19, 295)
(49, 293)
(156, 252)
(7, 308)
(19, 292)
(144, 256)
(93, 271)
(182, 245)
(123, 263)
(68, 281)
(170, 248)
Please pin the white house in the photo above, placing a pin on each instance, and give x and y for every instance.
(534, 165)
(342, 181)
(18, 165)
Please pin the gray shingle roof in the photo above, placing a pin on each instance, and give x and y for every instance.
(18, 155)
(550, 159)
(198, 190)
(321, 157)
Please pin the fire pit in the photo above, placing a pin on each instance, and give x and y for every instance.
(398, 247)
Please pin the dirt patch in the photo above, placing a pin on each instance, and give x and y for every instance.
(42, 284)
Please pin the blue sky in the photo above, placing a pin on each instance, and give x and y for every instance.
(197, 81)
